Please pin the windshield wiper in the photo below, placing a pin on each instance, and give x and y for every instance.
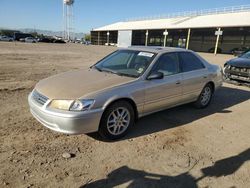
(118, 73)
(109, 71)
(128, 75)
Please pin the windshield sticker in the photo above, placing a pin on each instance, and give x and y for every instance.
(140, 70)
(147, 54)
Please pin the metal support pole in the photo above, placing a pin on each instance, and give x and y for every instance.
(108, 37)
(217, 42)
(165, 33)
(98, 38)
(146, 42)
(165, 38)
(68, 22)
(188, 38)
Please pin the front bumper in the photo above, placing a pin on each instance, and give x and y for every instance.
(237, 74)
(67, 122)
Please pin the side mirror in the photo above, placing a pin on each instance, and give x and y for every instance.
(155, 75)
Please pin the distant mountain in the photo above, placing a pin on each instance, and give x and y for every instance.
(51, 33)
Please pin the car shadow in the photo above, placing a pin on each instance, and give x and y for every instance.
(138, 178)
(224, 98)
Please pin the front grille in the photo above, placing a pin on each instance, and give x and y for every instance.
(237, 69)
(39, 98)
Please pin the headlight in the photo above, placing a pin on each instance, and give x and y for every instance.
(82, 105)
(72, 105)
(61, 104)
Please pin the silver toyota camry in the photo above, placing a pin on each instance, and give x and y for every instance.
(127, 84)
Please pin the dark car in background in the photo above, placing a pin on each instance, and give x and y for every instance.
(51, 40)
(211, 50)
(45, 40)
(240, 51)
(18, 35)
(59, 41)
(238, 68)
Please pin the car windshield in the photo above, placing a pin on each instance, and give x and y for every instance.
(246, 55)
(126, 62)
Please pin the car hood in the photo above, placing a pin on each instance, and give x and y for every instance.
(76, 84)
(240, 62)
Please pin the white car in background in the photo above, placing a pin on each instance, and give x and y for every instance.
(30, 40)
(6, 38)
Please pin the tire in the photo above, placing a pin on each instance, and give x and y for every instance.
(205, 97)
(112, 125)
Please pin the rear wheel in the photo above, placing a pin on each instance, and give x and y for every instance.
(205, 97)
(116, 120)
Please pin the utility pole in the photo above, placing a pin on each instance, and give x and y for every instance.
(218, 33)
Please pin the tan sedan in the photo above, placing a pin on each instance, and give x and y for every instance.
(122, 87)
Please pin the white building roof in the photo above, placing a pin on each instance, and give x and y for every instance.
(232, 19)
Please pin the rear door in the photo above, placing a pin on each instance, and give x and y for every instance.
(166, 92)
(194, 75)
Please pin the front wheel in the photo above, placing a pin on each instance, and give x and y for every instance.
(205, 97)
(116, 120)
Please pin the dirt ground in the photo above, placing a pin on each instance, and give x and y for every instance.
(180, 147)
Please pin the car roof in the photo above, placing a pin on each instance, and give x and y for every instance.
(155, 49)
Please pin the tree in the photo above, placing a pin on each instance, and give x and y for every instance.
(87, 37)
(9, 33)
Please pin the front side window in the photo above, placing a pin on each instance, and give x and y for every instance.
(126, 62)
(168, 64)
(190, 62)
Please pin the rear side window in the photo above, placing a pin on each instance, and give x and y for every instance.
(190, 62)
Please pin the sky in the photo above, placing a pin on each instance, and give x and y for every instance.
(47, 14)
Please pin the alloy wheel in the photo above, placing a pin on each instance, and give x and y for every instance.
(118, 121)
(206, 95)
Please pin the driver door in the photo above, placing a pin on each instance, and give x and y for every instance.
(166, 92)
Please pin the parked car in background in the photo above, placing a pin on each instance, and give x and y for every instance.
(238, 68)
(240, 51)
(46, 40)
(22, 40)
(19, 35)
(6, 38)
(78, 41)
(122, 87)
(86, 42)
(51, 40)
(59, 41)
(211, 50)
(30, 40)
